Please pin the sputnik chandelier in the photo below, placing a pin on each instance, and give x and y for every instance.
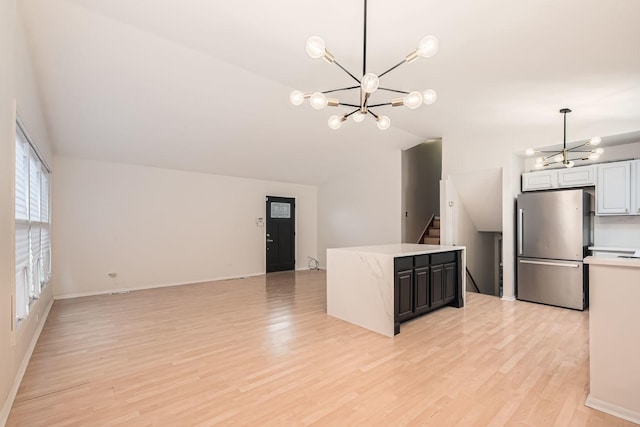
(368, 84)
(564, 157)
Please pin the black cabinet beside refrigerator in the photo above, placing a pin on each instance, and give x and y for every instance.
(553, 234)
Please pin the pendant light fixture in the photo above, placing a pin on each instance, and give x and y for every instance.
(367, 84)
(564, 157)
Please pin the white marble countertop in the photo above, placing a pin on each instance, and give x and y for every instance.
(614, 262)
(612, 249)
(401, 249)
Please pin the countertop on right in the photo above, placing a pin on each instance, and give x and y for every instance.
(613, 261)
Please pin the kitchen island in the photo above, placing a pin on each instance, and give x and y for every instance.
(378, 287)
(614, 336)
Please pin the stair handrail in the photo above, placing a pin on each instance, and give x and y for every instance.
(472, 280)
(421, 238)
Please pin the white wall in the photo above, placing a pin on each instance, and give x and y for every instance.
(481, 193)
(18, 91)
(462, 153)
(460, 230)
(421, 174)
(361, 208)
(157, 227)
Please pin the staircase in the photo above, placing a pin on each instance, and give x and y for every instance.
(432, 235)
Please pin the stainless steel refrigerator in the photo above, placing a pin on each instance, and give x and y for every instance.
(553, 233)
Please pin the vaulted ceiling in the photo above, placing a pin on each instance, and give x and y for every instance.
(204, 85)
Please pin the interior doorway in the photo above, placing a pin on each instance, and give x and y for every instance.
(280, 235)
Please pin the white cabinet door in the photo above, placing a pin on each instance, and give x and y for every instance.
(577, 177)
(540, 180)
(613, 192)
(635, 187)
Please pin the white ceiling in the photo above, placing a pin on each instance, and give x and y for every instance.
(203, 85)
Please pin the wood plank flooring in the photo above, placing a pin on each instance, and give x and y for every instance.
(262, 352)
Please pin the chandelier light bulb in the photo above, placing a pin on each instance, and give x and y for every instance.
(594, 156)
(335, 122)
(383, 122)
(296, 97)
(599, 150)
(429, 96)
(318, 101)
(539, 161)
(530, 152)
(595, 140)
(559, 158)
(370, 83)
(413, 100)
(315, 47)
(539, 165)
(358, 117)
(428, 46)
(570, 164)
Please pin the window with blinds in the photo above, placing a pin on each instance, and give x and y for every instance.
(32, 231)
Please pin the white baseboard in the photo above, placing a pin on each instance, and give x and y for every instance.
(154, 286)
(611, 409)
(507, 298)
(6, 409)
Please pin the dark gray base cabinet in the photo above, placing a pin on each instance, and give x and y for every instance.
(423, 283)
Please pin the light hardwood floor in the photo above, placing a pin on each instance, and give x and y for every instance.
(262, 351)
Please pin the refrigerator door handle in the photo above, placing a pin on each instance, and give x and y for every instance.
(554, 264)
(520, 231)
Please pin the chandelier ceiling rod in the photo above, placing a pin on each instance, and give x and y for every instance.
(368, 84)
(364, 47)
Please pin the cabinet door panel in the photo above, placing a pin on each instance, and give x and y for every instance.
(421, 289)
(450, 274)
(577, 177)
(540, 180)
(635, 187)
(613, 192)
(435, 285)
(405, 294)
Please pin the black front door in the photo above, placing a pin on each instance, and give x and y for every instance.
(281, 226)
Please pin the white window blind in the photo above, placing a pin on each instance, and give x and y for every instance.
(32, 231)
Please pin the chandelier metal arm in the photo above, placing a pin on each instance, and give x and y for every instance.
(393, 68)
(352, 113)
(380, 105)
(347, 71)
(551, 155)
(579, 146)
(394, 90)
(350, 105)
(343, 88)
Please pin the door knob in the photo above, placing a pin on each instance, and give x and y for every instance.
(269, 241)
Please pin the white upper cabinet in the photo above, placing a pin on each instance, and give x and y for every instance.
(613, 191)
(540, 180)
(617, 184)
(582, 176)
(577, 177)
(635, 187)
